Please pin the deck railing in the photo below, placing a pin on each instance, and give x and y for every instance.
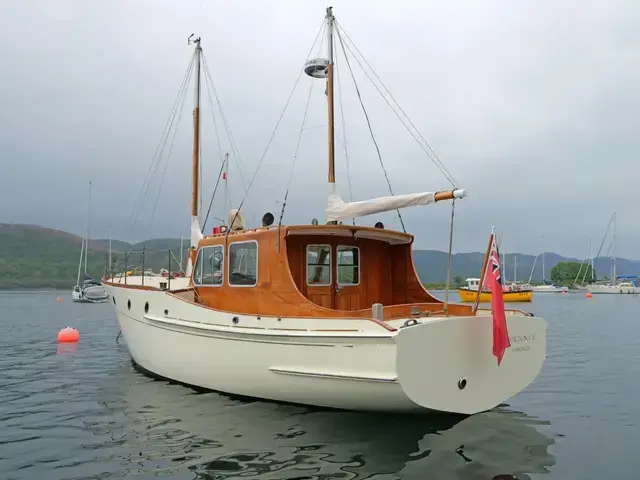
(138, 260)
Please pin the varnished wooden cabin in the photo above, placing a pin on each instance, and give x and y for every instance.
(312, 271)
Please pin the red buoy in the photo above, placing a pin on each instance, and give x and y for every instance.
(68, 335)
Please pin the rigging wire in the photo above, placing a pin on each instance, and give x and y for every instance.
(603, 240)
(232, 143)
(366, 115)
(215, 126)
(166, 164)
(428, 150)
(297, 149)
(344, 134)
(225, 123)
(215, 189)
(264, 153)
(157, 156)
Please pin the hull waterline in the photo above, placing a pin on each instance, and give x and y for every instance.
(293, 361)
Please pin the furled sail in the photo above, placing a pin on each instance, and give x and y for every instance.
(339, 210)
(196, 236)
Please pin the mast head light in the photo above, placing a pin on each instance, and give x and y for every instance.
(317, 68)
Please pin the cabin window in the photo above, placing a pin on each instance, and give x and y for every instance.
(243, 264)
(209, 267)
(197, 269)
(319, 265)
(348, 265)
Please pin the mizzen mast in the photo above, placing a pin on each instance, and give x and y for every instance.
(323, 68)
(332, 166)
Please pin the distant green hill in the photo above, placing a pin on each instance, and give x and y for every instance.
(36, 257)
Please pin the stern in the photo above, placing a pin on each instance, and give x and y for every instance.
(447, 364)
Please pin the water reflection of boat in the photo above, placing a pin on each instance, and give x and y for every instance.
(213, 436)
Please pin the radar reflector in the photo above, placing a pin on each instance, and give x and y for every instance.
(317, 68)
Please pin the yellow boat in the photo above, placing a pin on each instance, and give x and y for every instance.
(469, 293)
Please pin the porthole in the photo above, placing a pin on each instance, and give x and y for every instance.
(129, 304)
(166, 312)
(235, 320)
(146, 307)
(462, 383)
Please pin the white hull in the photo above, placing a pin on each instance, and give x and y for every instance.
(364, 367)
(549, 289)
(92, 294)
(612, 289)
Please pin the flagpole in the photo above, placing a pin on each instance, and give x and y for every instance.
(484, 270)
(449, 258)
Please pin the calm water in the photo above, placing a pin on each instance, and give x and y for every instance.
(86, 413)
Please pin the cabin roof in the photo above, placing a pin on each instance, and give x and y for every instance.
(391, 237)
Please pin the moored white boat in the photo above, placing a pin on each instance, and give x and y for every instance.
(614, 286)
(613, 289)
(549, 289)
(328, 315)
(90, 290)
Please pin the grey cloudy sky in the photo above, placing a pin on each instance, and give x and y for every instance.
(532, 106)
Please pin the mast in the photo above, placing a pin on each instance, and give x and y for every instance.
(543, 267)
(504, 267)
(225, 176)
(181, 250)
(332, 167)
(613, 280)
(80, 263)
(86, 249)
(535, 259)
(109, 269)
(195, 230)
(591, 260)
(196, 133)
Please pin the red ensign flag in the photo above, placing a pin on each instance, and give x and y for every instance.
(493, 280)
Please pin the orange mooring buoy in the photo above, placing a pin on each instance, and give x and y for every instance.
(588, 295)
(68, 335)
(59, 299)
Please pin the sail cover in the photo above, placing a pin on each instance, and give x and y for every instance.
(339, 210)
(196, 236)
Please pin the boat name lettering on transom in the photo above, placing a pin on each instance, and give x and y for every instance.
(522, 338)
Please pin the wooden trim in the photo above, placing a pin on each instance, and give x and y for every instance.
(378, 322)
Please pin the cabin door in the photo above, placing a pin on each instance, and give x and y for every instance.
(320, 274)
(346, 285)
(333, 276)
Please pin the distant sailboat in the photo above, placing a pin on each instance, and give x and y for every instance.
(589, 269)
(612, 286)
(90, 290)
(546, 287)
